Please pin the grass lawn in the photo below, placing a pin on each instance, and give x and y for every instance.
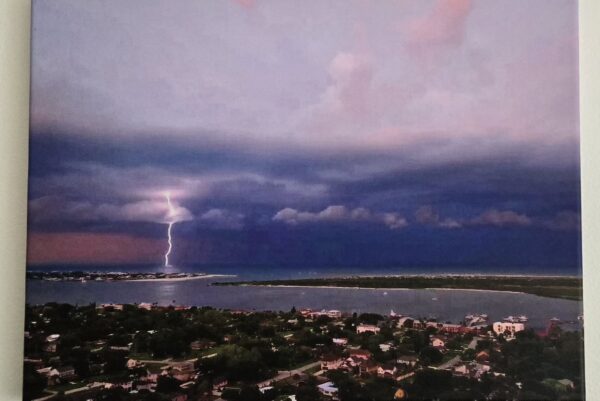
(313, 370)
(67, 386)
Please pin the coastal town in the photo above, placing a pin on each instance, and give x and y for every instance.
(181, 353)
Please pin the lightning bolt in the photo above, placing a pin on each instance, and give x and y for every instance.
(169, 237)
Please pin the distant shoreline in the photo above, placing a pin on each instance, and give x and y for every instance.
(206, 276)
(545, 286)
(372, 288)
(113, 277)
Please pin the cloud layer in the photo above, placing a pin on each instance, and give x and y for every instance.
(339, 213)
(401, 134)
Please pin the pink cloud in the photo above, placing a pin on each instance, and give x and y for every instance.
(444, 25)
(246, 3)
(501, 218)
(352, 75)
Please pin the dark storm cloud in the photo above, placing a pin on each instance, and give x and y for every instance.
(341, 144)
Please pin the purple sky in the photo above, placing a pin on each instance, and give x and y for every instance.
(365, 118)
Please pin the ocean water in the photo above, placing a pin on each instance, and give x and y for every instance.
(445, 305)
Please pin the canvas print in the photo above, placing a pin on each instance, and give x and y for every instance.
(351, 200)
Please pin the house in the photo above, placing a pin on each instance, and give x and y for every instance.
(385, 347)
(407, 360)
(340, 341)
(475, 370)
(418, 324)
(386, 370)
(367, 328)
(187, 385)
(64, 373)
(51, 343)
(36, 363)
(567, 383)
(331, 362)
(328, 389)
(151, 377)
(111, 307)
(405, 321)
(182, 371)
(360, 354)
(132, 364)
(306, 312)
(333, 313)
(46, 373)
(145, 305)
(265, 389)
(368, 367)
(219, 384)
(482, 356)
(462, 369)
(479, 369)
(453, 328)
(353, 361)
(144, 385)
(508, 329)
(438, 343)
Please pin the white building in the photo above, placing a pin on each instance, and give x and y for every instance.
(328, 389)
(367, 328)
(340, 341)
(507, 329)
(145, 305)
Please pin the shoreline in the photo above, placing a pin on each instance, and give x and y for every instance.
(109, 279)
(377, 289)
(207, 276)
(549, 287)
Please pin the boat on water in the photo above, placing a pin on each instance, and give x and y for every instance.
(394, 314)
(476, 316)
(516, 319)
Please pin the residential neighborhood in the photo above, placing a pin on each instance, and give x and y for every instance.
(177, 353)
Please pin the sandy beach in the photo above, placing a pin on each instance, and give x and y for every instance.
(378, 289)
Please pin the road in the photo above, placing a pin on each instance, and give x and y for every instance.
(284, 374)
(456, 360)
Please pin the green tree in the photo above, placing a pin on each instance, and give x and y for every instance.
(33, 383)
